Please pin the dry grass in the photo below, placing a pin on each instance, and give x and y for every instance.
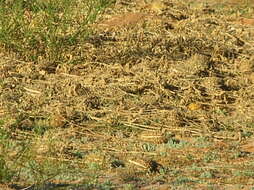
(162, 100)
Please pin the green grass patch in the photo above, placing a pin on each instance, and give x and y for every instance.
(52, 30)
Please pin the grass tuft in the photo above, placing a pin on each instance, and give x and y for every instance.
(47, 30)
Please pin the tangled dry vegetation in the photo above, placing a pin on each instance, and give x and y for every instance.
(164, 98)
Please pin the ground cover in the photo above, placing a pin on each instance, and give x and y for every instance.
(126, 95)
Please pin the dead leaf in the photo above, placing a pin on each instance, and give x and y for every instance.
(251, 77)
(246, 21)
(248, 147)
(57, 120)
(154, 137)
(157, 186)
(126, 20)
(156, 6)
(194, 106)
(150, 165)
